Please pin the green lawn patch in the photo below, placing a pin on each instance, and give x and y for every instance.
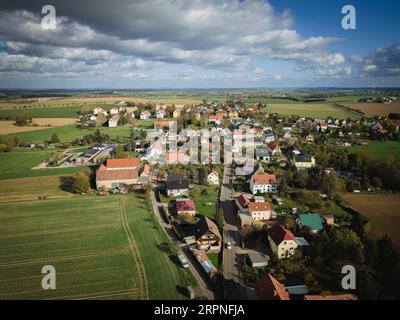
(379, 149)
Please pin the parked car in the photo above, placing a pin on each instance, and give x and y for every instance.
(184, 263)
(229, 246)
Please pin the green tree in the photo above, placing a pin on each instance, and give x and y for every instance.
(81, 182)
(219, 218)
(54, 138)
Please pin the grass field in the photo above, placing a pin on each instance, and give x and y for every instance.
(69, 133)
(313, 110)
(17, 164)
(381, 210)
(9, 127)
(379, 149)
(102, 248)
(205, 205)
(376, 109)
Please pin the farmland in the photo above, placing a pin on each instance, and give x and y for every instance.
(18, 164)
(100, 100)
(313, 110)
(381, 210)
(9, 127)
(379, 149)
(376, 109)
(102, 248)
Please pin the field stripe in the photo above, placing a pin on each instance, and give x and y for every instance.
(135, 252)
(64, 258)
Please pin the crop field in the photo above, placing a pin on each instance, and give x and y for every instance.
(101, 248)
(379, 149)
(313, 110)
(18, 164)
(28, 189)
(68, 102)
(9, 127)
(376, 109)
(381, 210)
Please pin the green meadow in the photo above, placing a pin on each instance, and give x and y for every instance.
(379, 149)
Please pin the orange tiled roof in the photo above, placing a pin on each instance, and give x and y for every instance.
(263, 178)
(123, 163)
(260, 206)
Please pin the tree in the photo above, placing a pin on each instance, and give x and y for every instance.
(54, 138)
(204, 193)
(81, 181)
(219, 218)
(387, 255)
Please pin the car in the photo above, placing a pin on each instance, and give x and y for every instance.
(229, 246)
(184, 263)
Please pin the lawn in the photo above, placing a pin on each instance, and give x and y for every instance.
(45, 112)
(379, 149)
(206, 206)
(18, 164)
(313, 110)
(102, 248)
(69, 133)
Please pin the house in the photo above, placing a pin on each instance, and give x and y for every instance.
(117, 173)
(161, 114)
(207, 235)
(177, 186)
(215, 119)
(213, 178)
(313, 221)
(304, 162)
(263, 154)
(115, 110)
(113, 122)
(233, 114)
(145, 115)
(281, 241)
(242, 202)
(274, 148)
(269, 137)
(323, 126)
(98, 110)
(263, 183)
(244, 219)
(176, 114)
(287, 126)
(269, 288)
(260, 210)
(185, 206)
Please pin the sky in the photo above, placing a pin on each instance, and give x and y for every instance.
(155, 44)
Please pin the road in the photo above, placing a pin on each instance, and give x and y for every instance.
(203, 281)
(232, 264)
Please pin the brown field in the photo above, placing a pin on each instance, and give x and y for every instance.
(376, 109)
(381, 210)
(56, 102)
(7, 127)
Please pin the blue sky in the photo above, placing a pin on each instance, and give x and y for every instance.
(199, 44)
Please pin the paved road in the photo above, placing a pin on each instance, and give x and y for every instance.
(234, 288)
(203, 281)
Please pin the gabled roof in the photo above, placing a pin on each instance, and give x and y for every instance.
(123, 163)
(205, 225)
(278, 234)
(263, 178)
(259, 206)
(268, 288)
(303, 159)
(177, 183)
(185, 205)
(243, 201)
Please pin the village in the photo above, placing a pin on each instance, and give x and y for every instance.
(248, 226)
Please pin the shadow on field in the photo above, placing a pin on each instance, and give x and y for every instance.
(66, 184)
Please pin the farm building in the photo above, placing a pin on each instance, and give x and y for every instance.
(117, 173)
